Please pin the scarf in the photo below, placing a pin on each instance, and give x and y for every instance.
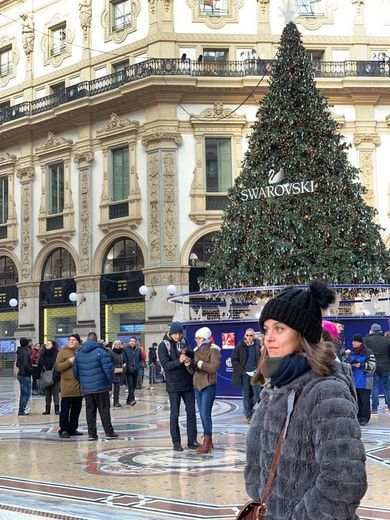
(204, 344)
(283, 370)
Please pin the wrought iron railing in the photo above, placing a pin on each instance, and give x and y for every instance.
(185, 67)
(118, 210)
(56, 222)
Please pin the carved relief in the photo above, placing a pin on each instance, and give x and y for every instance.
(169, 208)
(84, 219)
(263, 5)
(370, 138)
(166, 278)
(28, 33)
(85, 12)
(25, 174)
(117, 123)
(154, 198)
(6, 157)
(216, 112)
(28, 291)
(26, 232)
(83, 155)
(91, 284)
(53, 142)
(158, 134)
(367, 175)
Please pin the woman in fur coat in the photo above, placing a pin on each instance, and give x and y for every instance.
(321, 472)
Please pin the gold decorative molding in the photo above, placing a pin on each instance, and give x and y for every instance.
(107, 22)
(213, 19)
(367, 176)
(116, 125)
(156, 135)
(83, 156)
(169, 206)
(154, 205)
(366, 138)
(53, 144)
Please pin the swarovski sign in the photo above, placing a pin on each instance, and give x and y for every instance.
(275, 189)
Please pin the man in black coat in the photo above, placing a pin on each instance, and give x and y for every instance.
(245, 359)
(381, 349)
(173, 353)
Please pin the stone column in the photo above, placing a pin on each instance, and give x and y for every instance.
(161, 143)
(28, 290)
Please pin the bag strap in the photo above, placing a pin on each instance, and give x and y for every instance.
(291, 402)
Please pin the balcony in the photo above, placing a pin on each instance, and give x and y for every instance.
(179, 67)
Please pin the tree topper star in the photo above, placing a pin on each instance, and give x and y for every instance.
(288, 13)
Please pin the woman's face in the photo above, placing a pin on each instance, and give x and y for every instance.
(199, 340)
(279, 339)
(49, 345)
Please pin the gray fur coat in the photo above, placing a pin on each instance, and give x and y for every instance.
(321, 473)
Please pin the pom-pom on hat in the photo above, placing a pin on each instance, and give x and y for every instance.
(300, 309)
(204, 333)
(176, 328)
(358, 337)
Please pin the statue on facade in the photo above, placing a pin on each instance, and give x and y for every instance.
(28, 33)
(85, 10)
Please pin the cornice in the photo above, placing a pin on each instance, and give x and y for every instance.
(116, 125)
(366, 138)
(7, 159)
(160, 134)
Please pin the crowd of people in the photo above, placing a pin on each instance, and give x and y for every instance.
(305, 395)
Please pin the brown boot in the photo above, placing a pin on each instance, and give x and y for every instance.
(207, 445)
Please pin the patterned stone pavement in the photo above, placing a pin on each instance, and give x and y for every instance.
(138, 476)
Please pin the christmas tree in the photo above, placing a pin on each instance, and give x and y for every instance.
(296, 211)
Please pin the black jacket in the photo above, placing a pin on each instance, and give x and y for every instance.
(381, 349)
(117, 359)
(23, 361)
(133, 358)
(152, 357)
(177, 377)
(239, 359)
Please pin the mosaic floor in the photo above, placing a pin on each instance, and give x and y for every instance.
(138, 476)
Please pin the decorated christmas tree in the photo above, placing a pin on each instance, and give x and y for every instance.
(296, 211)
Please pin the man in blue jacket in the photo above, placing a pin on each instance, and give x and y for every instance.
(93, 369)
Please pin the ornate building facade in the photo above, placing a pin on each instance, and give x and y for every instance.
(123, 123)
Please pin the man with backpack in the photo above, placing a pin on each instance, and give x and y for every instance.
(173, 353)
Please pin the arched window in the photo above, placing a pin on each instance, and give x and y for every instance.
(202, 250)
(123, 255)
(8, 272)
(59, 264)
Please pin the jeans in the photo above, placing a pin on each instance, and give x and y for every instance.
(385, 378)
(189, 401)
(70, 412)
(152, 374)
(131, 386)
(205, 399)
(25, 391)
(250, 394)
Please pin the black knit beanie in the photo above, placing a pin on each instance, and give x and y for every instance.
(300, 309)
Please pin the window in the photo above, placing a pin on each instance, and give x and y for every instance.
(124, 255)
(215, 55)
(3, 200)
(121, 66)
(315, 57)
(57, 88)
(202, 250)
(120, 173)
(55, 188)
(218, 164)
(8, 272)
(310, 7)
(5, 61)
(58, 37)
(213, 7)
(59, 264)
(120, 15)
